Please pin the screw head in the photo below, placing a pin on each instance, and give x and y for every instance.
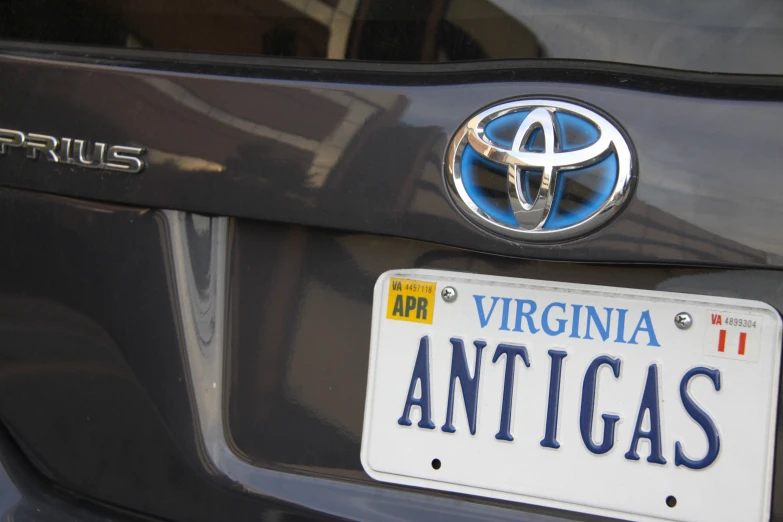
(683, 320)
(449, 294)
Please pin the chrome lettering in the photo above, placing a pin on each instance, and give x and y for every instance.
(96, 155)
(11, 138)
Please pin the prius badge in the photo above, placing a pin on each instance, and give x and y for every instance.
(95, 155)
(539, 170)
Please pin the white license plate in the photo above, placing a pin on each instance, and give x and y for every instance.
(621, 412)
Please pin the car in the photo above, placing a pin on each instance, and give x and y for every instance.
(384, 260)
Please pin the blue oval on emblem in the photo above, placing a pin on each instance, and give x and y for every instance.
(539, 170)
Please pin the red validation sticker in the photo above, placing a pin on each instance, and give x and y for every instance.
(732, 336)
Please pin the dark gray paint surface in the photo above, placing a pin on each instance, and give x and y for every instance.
(26, 497)
(92, 380)
(368, 158)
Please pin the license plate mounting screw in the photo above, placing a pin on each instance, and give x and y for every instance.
(683, 320)
(449, 294)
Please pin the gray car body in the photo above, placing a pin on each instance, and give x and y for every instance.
(269, 206)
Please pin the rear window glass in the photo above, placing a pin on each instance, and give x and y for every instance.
(729, 36)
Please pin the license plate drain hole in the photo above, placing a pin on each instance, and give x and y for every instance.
(671, 500)
(436, 465)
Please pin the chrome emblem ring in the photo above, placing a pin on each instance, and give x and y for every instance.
(539, 170)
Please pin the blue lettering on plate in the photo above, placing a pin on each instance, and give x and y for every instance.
(588, 405)
(550, 437)
(621, 312)
(645, 325)
(561, 323)
(511, 352)
(469, 385)
(649, 404)
(506, 307)
(557, 318)
(484, 317)
(592, 318)
(421, 373)
(701, 417)
(575, 321)
(527, 314)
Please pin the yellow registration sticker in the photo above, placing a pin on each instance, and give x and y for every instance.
(411, 300)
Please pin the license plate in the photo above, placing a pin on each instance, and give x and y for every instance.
(624, 403)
